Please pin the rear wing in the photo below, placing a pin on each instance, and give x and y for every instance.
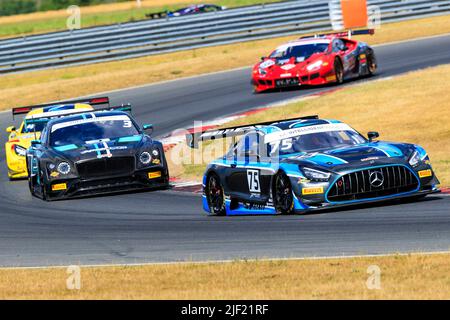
(348, 34)
(45, 119)
(193, 138)
(90, 101)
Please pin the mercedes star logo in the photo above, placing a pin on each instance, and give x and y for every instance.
(376, 179)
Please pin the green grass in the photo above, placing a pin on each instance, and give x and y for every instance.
(44, 25)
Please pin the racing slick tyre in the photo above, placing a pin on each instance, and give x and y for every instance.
(283, 196)
(32, 185)
(215, 195)
(339, 71)
(43, 190)
(371, 64)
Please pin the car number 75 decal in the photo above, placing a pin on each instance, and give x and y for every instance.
(253, 181)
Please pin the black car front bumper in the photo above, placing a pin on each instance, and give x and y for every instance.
(151, 178)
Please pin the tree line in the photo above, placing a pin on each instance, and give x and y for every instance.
(11, 7)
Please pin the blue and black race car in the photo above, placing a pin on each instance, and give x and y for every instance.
(94, 153)
(303, 164)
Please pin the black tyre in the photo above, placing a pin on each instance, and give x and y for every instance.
(371, 64)
(31, 186)
(44, 191)
(215, 195)
(42, 184)
(339, 71)
(31, 183)
(282, 194)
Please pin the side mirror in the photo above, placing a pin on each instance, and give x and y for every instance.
(148, 127)
(263, 58)
(35, 142)
(372, 135)
(11, 129)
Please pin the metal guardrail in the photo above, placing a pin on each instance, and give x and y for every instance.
(148, 37)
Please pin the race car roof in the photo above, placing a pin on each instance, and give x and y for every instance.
(299, 128)
(86, 116)
(267, 127)
(302, 42)
(60, 109)
(289, 124)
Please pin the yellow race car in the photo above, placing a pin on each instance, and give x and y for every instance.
(20, 139)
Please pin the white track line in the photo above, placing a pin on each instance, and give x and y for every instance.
(430, 253)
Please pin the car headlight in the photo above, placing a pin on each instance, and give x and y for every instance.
(63, 168)
(145, 157)
(314, 65)
(155, 153)
(415, 159)
(316, 174)
(20, 151)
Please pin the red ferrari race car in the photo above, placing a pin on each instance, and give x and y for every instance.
(315, 60)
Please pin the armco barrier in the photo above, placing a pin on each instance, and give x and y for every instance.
(148, 37)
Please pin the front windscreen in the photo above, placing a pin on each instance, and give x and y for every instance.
(33, 127)
(315, 142)
(299, 51)
(81, 131)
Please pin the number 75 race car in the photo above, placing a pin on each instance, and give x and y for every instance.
(303, 164)
(94, 153)
(329, 58)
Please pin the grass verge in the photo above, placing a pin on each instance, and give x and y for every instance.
(50, 21)
(50, 85)
(412, 108)
(402, 277)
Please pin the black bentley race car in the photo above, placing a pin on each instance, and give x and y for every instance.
(94, 153)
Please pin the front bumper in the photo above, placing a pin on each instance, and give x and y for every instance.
(328, 206)
(314, 78)
(151, 178)
(316, 195)
(17, 166)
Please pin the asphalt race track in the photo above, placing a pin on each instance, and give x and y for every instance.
(170, 226)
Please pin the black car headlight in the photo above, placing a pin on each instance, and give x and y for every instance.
(414, 160)
(316, 175)
(63, 168)
(20, 151)
(145, 157)
(149, 157)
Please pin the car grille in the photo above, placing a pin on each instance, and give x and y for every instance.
(266, 82)
(304, 78)
(386, 181)
(105, 167)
